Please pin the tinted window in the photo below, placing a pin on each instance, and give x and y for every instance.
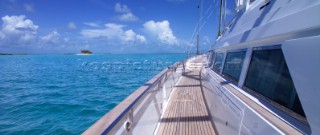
(269, 76)
(233, 65)
(218, 60)
(212, 56)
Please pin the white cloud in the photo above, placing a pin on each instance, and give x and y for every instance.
(121, 8)
(72, 25)
(128, 17)
(92, 24)
(114, 26)
(18, 29)
(126, 14)
(29, 7)
(53, 37)
(131, 36)
(113, 32)
(141, 38)
(110, 32)
(161, 30)
(66, 39)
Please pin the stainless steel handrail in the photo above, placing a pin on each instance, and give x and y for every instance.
(111, 123)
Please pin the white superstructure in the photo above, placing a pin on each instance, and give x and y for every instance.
(270, 52)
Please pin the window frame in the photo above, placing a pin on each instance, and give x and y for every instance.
(266, 99)
(222, 62)
(212, 58)
(227, 76)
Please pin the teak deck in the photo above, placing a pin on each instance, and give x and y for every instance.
(186, 112)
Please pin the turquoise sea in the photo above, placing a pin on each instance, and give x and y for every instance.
(65, 94)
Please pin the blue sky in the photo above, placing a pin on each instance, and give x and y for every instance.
(105, 26)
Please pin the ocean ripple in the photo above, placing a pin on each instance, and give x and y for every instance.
(65, 94)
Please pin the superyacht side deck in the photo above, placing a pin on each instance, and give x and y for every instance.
(186, 113)
(260, 77)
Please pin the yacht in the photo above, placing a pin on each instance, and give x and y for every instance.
(259, 77)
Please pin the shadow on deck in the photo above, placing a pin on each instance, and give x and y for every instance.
(186, 112)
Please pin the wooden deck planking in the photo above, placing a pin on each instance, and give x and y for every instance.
(186, 113)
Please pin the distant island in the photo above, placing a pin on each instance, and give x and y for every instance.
(86, 52)
(5, 54)
(12, 54)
